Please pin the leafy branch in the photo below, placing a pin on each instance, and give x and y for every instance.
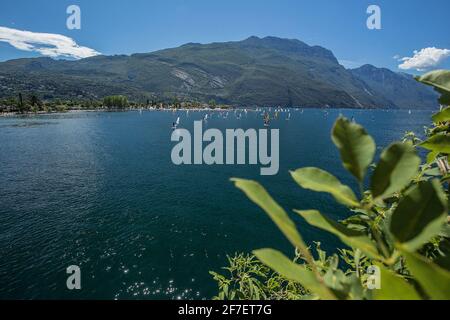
(400, 224)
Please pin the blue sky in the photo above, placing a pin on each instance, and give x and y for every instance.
(125, 27)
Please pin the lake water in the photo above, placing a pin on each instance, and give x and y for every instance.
(99, 190)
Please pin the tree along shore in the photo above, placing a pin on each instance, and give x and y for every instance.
(33, 105)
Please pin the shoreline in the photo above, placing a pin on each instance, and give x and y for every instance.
(252, 109)
(15, 114)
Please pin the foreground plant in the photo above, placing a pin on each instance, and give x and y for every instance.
(399, 226)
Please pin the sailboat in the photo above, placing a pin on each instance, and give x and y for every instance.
(176, 124)
(288, 117)
(266, 120)
(205, 118)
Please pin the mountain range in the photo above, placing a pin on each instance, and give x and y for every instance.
(256, 71)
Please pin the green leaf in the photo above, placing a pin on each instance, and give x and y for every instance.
(445, 97)
(438, 143)
(442, 116)
(394, 287)
(432, 278)
(294, 272)
(321, 181)
(419, 216)
(440, 80)
(256, 193)
(348, 236)
(357, 148)
(431, 157)
(398, 165)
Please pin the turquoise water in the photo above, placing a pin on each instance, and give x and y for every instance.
(99, 190)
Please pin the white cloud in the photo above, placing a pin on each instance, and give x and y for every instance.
(47, 44)
(424, 59)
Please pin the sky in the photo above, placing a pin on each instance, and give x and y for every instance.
(414, 34)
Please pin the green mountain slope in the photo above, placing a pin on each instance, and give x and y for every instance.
(400, 88)
(255, 71)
